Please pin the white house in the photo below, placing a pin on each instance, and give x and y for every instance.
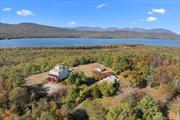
(60, 72)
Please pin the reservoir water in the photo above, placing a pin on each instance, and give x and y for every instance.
(55, 42)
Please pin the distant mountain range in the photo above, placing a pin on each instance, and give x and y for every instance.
(158, 30)
(32, 30)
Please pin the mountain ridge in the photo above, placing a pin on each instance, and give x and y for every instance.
(136, 29)
(33, 30)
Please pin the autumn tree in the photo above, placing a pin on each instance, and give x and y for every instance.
(19, 96)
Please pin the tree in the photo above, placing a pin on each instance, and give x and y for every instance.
(95, 92)
(120, 66)
(81, 79)
(166, 92)
(8, 115)
(71, 79)
(71, 98)
(131, 78)
(42, 110)
(19, 96)
(107, 61)
(75, 62)
(94, 109)
(84, 94)
(122, 63)
(107, 89)
(79, 114)
(5, 88)
(127, 109)
(81, 60)
(77, 78)
(73, 92)
(122, 112)
(149, 110)
(146, 74)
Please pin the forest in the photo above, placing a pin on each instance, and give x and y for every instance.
(152, 73)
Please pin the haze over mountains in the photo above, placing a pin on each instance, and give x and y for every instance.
(32, 30)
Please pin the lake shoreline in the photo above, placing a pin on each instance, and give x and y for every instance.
(91, 47)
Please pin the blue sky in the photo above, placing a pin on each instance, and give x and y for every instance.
(94, 13)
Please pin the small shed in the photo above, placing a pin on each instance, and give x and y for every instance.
(113, 79)
(97, 69)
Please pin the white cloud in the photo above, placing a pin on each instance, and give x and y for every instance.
(101, 6)
(24, 12)
(159, 10)
(6, 9)
(72, 23)
(151, 19)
